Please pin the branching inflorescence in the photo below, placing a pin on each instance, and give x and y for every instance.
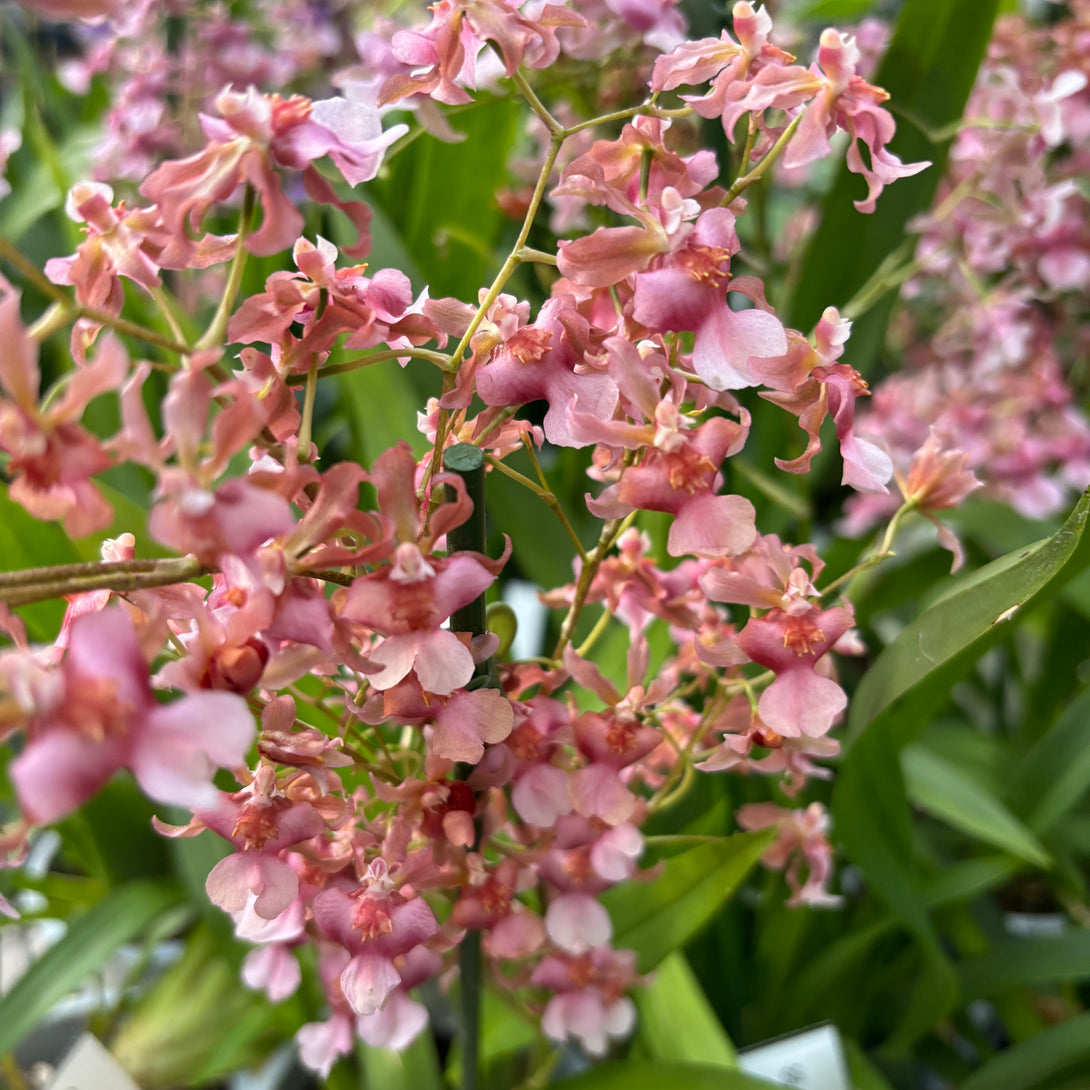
(387, 802)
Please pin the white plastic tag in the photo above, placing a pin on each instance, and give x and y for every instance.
(812, 1059)
(88, 1066)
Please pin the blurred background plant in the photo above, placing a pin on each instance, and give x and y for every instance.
(960, 952)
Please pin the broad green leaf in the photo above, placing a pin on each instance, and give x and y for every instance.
(928, 71)
(864, 1075)
(440, 197)
(661, 916)
(676, 1021)
(1055, 773)
(969, 878)
(85, 948)
(1030, 1063)
(1029, 962)
(918, 668)
(836, 9)
(111, 835)
(873, 823)
(414, 1068)
(871, 818)
(945, 792)
(642, 1075)
(197, 1022)
(381, 402)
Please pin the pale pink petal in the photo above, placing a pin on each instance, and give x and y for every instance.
(367, 982)
(596, 791)
(801, 702)
(273, 970)
(541, 795)
(443, 662)
(577, 922)
(396, 1025)
(712, 526)
(321, 1044)
(59, 770)
(396, 655)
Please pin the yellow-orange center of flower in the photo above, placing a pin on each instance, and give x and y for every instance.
(529, 345)
(576, 866)
(525, 743)
(687, 471)
(372, 918)
(801, 635)
(705, 263)
(620, 737)
(255, 826)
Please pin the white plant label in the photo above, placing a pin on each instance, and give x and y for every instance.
(812, 1059)
(88, 1066)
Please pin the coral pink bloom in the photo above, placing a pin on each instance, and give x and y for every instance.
(444, 54)
(683, 480)
(546, 361)
(687, 290)
(103, 716)
(375, 928)
(52, 457)
(799, 701)
(836, 98)
(115, 247)
(408, 601)
(255, 134)
(801, 840)
(255, 877)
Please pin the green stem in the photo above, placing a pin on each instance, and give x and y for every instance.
(536, 104)
(38, 584)
(31, 273)
(217, 330)
(308, 410)
(758, 172)
(544, 494)
(440, 359)
(611, 530)
(883, 552)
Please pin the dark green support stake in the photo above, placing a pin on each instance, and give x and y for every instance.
(468, 462)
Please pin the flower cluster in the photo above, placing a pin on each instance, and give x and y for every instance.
(1004, 258)
(397, 784)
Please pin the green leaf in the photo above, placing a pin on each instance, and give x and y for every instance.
(676, 1021)
(945, 792)
(85, 948)
(894, 702)
(836, 9)
(928, 71)
(918, 668)
(440, 197)
(1029, 962)
(382, 403)
(640, 1075)
(1033, 1061)
(864, 1075)
(111, 835)
(1055, 773)
(664, 914)
(414, 1068)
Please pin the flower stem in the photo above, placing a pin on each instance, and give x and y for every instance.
(543, 494)
(19, 588)
(744, 181)
(217, 330)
